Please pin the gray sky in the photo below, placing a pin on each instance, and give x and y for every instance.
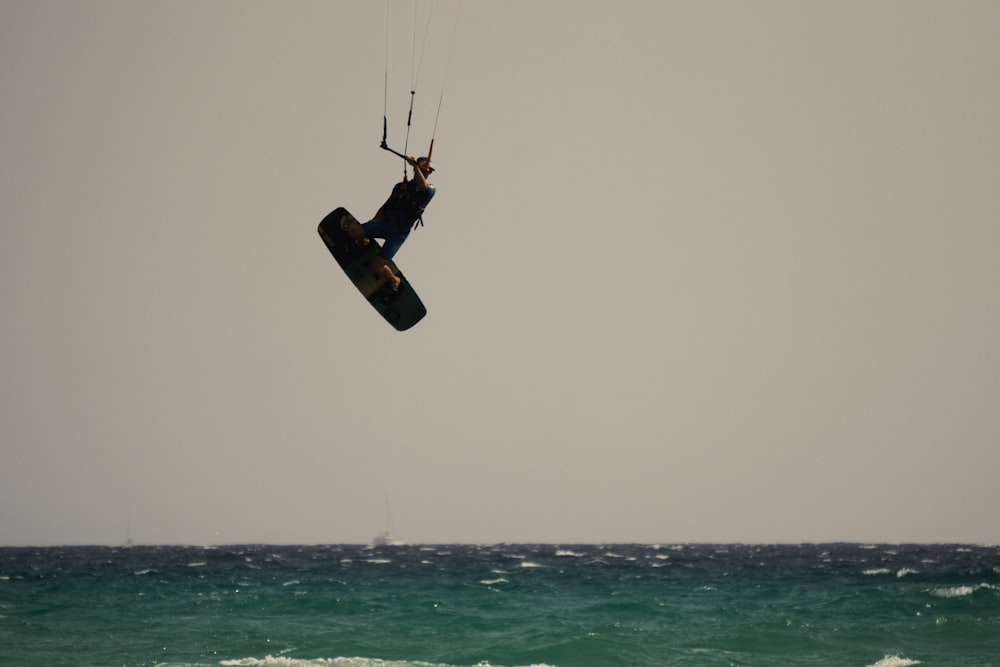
(696, 271)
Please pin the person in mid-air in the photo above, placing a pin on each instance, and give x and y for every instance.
(394, 220)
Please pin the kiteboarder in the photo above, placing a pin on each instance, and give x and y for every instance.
(400, 213)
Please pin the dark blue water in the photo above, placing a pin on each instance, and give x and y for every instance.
(502, 605)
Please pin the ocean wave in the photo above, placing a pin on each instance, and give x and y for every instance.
(894, 661)
(568, 553)
(280, 661)
(960, 591)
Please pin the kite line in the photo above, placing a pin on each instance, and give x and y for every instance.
(416, 66)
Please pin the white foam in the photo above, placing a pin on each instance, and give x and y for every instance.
(279, 661)
(959, 591)
(567, 552)
(894, 661)
(953, 592)
(877, 570)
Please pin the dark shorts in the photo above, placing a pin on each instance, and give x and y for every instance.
(387, 228)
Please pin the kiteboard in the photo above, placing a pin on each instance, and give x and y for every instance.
(401, 310)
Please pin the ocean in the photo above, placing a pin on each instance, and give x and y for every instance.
(504, 605)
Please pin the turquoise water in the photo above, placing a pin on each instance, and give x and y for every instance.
(502, 605)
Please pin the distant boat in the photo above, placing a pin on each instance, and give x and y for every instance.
(385, 538)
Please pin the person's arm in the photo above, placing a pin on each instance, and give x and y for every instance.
(418, 175)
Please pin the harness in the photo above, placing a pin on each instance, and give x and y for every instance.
(400, 200)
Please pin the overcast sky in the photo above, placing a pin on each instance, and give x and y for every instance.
(695, 271)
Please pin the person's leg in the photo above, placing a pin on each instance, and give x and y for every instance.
(358, 234)
(393, 242)
(387, 229)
